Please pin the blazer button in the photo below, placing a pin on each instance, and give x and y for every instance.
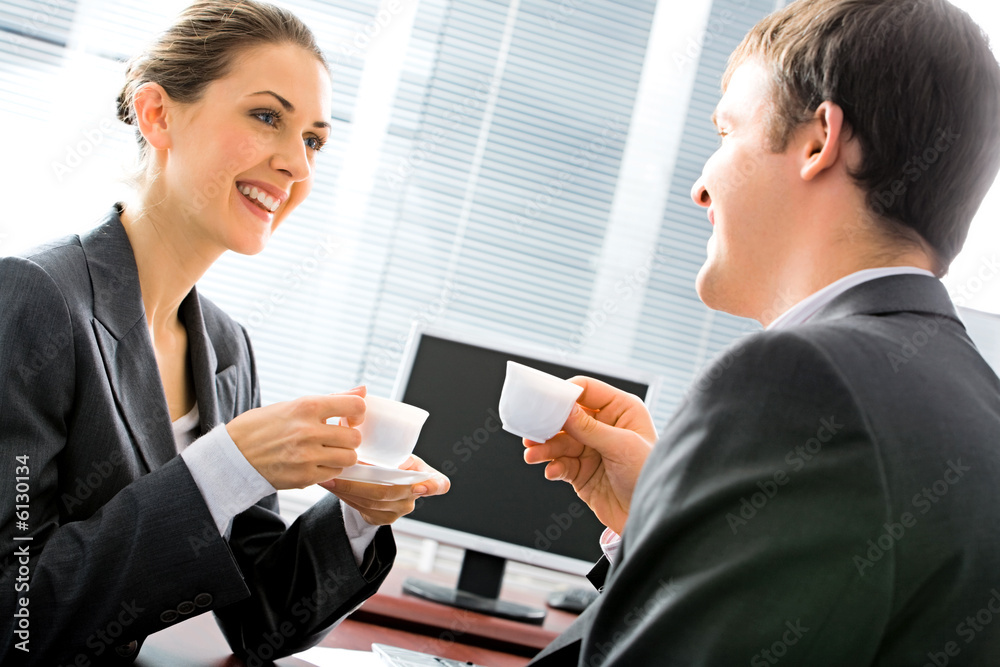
(169, 616)
(185, 607)
(203, 599)
(127, 650)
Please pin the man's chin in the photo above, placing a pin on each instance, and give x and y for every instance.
(717, 292)
(703, 285)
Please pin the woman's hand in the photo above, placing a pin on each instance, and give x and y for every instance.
(291, 445)
(600, 450)
(380, 504)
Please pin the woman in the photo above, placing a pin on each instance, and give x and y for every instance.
(112, 364)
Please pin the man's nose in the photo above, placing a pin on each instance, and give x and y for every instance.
(699, 193)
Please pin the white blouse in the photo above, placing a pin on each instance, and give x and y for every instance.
(186, 428)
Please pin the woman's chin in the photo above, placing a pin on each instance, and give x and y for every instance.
(250, 244)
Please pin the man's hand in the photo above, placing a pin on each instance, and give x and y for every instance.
(600, 450)
(291, 445)
(380, 504)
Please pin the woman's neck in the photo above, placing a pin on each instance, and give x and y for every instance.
(171, 256)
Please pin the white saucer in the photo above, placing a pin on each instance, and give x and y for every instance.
(378, 475)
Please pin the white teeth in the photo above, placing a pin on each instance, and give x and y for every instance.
(266, 200)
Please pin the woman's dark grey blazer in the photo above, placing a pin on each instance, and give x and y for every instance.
(112, 540)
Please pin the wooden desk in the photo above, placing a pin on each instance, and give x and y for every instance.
(388, 617)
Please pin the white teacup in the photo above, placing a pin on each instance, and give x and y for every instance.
(533, 404)
(389, 432)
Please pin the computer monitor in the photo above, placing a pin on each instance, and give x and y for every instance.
(499, 508)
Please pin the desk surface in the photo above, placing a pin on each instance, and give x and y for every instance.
(388, 617)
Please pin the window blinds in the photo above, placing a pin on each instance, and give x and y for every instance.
(475, 163)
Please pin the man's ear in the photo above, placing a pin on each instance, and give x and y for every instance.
(151, 114)
(820, 140)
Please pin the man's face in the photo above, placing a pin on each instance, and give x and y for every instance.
(751, 196)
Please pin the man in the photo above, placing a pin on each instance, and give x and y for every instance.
(827, 494)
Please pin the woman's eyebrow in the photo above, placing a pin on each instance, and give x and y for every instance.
(289, 107)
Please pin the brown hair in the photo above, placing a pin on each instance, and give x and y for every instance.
(920, 90)
(202, 45)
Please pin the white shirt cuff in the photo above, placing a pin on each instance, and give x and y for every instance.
(225, 478)
(359, 532)
(611, 543)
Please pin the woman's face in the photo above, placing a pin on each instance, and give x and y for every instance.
(242, 157)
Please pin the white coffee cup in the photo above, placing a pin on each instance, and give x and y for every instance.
(389, 432)
(533, 404)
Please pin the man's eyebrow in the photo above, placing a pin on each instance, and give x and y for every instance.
(289, 107)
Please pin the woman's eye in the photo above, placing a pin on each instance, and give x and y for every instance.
(267, 117)
(315, 143)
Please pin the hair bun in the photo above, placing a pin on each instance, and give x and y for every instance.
(125, 108)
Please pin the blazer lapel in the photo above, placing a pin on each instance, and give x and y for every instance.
(567, 649)
(123, 339)
(208, 384)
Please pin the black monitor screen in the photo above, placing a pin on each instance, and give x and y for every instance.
(494, 493)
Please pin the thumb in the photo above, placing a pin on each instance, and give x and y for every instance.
(590, 432)
(361, 391)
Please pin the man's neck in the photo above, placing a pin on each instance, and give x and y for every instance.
(797, 286)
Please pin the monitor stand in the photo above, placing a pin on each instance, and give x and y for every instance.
(478, 587)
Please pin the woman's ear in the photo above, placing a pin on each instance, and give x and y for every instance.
(820, 140)
(151, 114)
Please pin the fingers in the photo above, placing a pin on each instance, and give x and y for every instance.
(592, 432)
(596, 395)
(559, 445)
(437, 485)
(378, 504)
(558, 470)
(292, 445)
(361, 391)
(609, 402)
(335, 435)
(381, 504)
(380, 516)
(323, 407)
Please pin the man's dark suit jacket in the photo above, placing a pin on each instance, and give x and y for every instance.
(828, 494)
(122, 543)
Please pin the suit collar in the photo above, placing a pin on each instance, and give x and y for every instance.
(113, 275)
(204, 362)
(892, 294)
(119, 325)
